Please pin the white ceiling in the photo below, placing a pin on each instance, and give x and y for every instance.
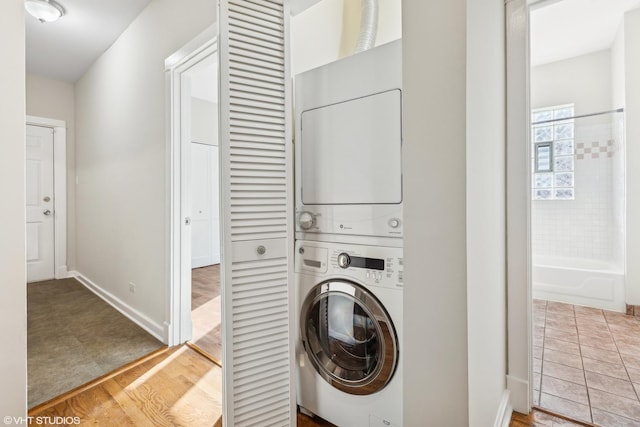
(569, 28)
(65, 49)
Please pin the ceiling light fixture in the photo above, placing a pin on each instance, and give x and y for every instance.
(44, 10)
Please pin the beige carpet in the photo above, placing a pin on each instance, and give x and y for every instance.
(73, 337)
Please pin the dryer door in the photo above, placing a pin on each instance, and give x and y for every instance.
(349, 337)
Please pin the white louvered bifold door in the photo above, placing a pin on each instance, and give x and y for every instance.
(256, 195)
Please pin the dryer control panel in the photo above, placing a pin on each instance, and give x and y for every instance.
(370, 265)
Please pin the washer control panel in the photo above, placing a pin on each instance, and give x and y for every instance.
(371, 265)
(384, 221)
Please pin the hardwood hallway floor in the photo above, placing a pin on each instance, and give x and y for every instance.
(206, 310)
(179, 387)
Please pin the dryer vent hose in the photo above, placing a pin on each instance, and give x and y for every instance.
(368, 25)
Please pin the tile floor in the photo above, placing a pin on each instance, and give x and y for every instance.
(587, 363)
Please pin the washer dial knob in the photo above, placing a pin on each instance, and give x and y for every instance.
(344, 260)
(306, 220)
(394, 222)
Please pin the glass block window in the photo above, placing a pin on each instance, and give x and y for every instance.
(552, 153)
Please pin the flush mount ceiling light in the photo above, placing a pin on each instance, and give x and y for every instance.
(44, 10)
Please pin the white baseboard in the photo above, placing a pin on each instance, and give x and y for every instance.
(519, 394)
(167, 331)
(61, 272)
(503, 418)
(155, 329)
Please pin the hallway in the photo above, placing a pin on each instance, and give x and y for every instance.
(73, 337)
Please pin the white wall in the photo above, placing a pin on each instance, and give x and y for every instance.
(584, 80)
(328, 31)
(13, 310)
(121, 153)
(316, 34)
(583, 227)
(435, 293)
(485, 188)
(617, 69)
(55, 99)
(632, 113)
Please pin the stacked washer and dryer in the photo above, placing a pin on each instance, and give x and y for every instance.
(348, 265)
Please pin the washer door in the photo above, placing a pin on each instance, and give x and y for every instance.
(349, 337)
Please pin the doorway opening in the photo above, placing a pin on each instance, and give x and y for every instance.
(584, 340)
(201, 185)
(195, 201)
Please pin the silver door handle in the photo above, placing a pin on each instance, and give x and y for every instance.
(47, 212)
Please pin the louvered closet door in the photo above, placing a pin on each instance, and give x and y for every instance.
(257, 202)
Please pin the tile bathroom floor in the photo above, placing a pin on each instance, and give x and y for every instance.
(587, 363)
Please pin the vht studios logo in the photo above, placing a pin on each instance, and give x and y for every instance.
(52, 421)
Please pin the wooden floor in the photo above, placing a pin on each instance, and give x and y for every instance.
(541, 418)
(305, 421)
(179, 387)
(206, 310)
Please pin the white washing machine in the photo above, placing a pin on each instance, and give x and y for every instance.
(349, 333)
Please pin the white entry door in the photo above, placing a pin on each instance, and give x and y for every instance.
(39, 201)
(205, 205)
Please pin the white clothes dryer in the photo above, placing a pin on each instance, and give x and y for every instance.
(349, 333)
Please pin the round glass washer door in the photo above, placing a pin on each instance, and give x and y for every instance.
(349, 337)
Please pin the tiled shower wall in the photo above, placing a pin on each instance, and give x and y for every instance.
(584, 227)
(592, 225)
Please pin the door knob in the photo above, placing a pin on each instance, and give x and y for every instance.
(47, 212)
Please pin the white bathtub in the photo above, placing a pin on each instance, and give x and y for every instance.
(579, 281)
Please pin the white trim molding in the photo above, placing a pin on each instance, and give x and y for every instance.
(155, 329)
(520, 394)
(505, 410)
(519, 370)
(178, 325)
(59, 128)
